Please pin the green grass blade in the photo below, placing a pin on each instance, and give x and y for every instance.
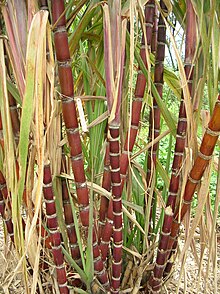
(75, 265)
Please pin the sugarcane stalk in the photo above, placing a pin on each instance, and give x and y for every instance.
(117, 208)
(132, 133)
(139, 92)
(201, 162)
(107, 231)
(135, 118)
(43, 5)
(52, 224)
(72, 129)
(68, 216)
(190, 47)
(114, 54)
(154, 32)
(155, 280)
(154, 128)
(106, 184)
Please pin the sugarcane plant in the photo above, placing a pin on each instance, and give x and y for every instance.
(107, 129)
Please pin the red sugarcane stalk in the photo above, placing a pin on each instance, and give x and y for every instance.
(154, 128)
(106, 184)
(135, 118)
(68, 215)
(52, 224)
(15, 121)
(72, 129)
(154, 32)
(43, 5)
(117, 207)
(190, 45)
(74, 248)
(114, 54)
(202, 160)
(107, 231)
(139, 93)
(155, 280)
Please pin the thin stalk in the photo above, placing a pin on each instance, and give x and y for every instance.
(154, 128)
(139, 92)
(182, 123)
(190, 45)
(114, 54)
(117, 208)
(135, 118)
(52, 224)
(1, 133)
(107, 231)
(162, 256)
(6, 207)
(201, 162)
(106, 184)
(43, 5)
(69, 221)
(72, 128)
(154, 32)
(155, 280)
(74, 248)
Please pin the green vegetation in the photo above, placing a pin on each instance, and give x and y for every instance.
(109, 117)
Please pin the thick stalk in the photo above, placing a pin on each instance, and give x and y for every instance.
(154, 128)
(52, 224)
(72, 129)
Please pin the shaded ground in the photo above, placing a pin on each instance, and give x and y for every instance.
(189, 282)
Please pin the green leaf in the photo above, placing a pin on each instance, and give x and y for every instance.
(75, 265)
(14, 92)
